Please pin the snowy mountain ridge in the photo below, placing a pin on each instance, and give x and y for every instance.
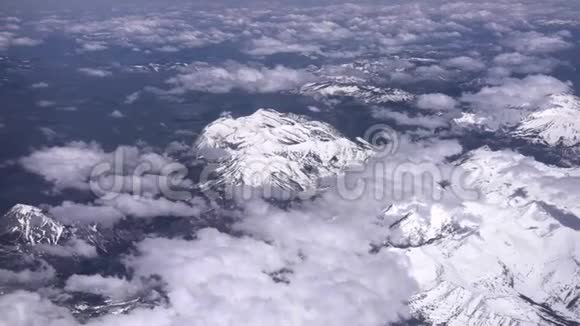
(29, 225)
(516, 263)
(367, 94)
(556, 123)
(271, 149)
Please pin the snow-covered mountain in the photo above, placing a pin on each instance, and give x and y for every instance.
(368, 94)
(516, 261)
(36, 250)
(29, 225)
(418, 224)
(276, 151)
(511, 257)
(557, 122)
(356, 81)
(156, 67)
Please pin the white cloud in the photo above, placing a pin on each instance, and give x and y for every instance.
(25, 41)
(75, 213)
(219, 280)
(152, 207)
(43, 274)
(436, 102)
(403, 119)
(22, 308)
(465, 63)
(117, 114)
(68, 108)
(268, 46)
(329, 276)
(40, 85)
(112, 287)
(177, 29)
(91, 46)
(237, 76)
(67, 166)
(517, 92)
(45, 103)
(524, 64)
(93, 72)
(8, 39)
(127, 182)
(308, 265)
(133, 170)
(314, 109)
(73, 247)
(536, 42)
(48, 133)
(133, 97)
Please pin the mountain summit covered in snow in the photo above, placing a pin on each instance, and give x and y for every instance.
(29, 225)
(515, 262)
(556, 123)
(282, 153)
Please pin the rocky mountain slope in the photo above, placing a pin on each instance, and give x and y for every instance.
(556, 123)
(38, 253)
(327, 90)
(276, 152)
(515, 262)
(509, 257)
(29, 225)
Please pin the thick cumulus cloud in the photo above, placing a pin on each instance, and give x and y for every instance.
(107, 212)
(310, 264)
(76, 213)
(67, 166)
(112, 287)
(25, 308)
(221, 280)
(77, 164)
(238, 76)
(129, 181)
(27, 277)
(436, 102)
(146, 206)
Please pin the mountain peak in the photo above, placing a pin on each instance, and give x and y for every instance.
(29, 225)
(556, 123)
(283, 150)
(368, 94)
